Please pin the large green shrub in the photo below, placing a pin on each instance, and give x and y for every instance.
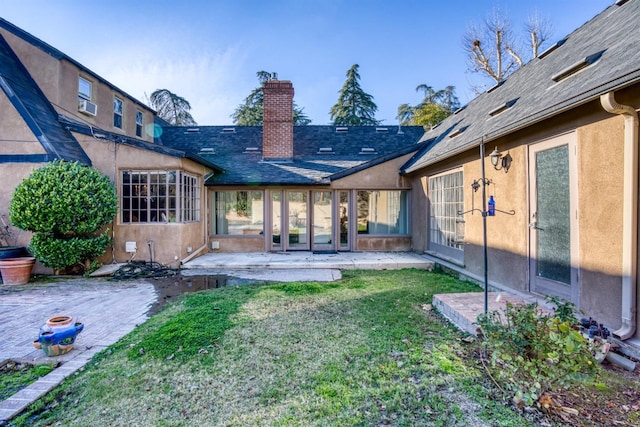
(66, 205)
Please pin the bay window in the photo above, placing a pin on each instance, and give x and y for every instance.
(160, 196)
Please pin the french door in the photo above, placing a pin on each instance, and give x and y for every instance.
(309, 220)
(553, 253)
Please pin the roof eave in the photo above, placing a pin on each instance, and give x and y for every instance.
(586, 97)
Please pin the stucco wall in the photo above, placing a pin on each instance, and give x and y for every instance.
(58, 79)
(44, 68)
(15, 135)
(170, 240)
(384, 176)
(599, 155)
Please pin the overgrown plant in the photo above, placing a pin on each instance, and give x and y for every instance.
(67, 206)
(532, 352)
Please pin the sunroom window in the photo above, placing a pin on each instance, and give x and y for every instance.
(160, 196)
(238, 212)
(383, 212)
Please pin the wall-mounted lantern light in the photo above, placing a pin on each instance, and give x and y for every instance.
(499, 161)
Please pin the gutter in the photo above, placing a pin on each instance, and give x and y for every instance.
(629, 214)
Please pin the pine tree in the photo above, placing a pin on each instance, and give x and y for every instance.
(355, 107)
(172, 108)
(250, 112)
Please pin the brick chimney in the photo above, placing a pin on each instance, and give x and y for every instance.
(277, 130)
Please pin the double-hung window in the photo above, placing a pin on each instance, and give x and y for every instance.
(446, 199)
(139, 123)
(160, 196)
(117, 112)
(84, 89)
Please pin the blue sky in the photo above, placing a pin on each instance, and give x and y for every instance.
(209, 51)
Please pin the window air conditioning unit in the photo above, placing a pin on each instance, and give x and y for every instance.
(88, 107)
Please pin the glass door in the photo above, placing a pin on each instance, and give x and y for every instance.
(553, 229)
(322, 221)
(343, 212)
(297, 229)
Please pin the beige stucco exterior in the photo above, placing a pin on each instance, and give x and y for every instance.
(598, 159)
(58, 79)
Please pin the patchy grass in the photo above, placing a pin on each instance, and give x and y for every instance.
(364, 351)
(15, 376)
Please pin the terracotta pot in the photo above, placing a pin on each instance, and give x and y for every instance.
(60, 321)
(16, 271)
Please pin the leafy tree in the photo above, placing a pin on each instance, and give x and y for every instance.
(435, 107)
(250, 112)
(172, 108)
(493, 50)
(66, 205)
(355, 107)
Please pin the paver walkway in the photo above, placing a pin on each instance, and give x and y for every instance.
(108, 310)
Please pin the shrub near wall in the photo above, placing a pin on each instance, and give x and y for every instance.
(66, 205)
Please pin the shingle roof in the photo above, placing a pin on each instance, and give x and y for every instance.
(321, 153)
(38, 114)
(606, 55)
(83, 128)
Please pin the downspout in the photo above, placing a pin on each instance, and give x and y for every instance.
(629, 214)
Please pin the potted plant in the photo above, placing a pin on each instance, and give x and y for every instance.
(16, 271)
(15, 262)
(8, 248)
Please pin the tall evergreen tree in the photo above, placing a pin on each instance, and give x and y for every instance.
(250, 112)
(172, 108)
(355, 107)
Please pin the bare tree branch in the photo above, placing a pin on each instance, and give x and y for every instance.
(494, 52)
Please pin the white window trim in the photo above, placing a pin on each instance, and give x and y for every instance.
(447, 217)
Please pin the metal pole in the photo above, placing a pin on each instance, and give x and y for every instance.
(484, 228)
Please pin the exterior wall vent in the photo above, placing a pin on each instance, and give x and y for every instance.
(87, 107)
(578, 66)
(228, 130)
(342, 129)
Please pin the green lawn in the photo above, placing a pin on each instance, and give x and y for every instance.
(363, 351)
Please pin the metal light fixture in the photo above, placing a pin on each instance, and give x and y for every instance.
(499, 161)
